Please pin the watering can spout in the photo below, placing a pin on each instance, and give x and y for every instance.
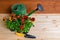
(39, 7)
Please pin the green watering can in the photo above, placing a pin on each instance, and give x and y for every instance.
(20, 9)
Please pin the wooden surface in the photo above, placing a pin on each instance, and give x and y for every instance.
(50, 6)
(47, 27)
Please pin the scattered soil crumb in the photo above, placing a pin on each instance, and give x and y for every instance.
(56, 25)
(42, 39)
(43, 29)
(54, 21)
(18, 39)
(46, 16)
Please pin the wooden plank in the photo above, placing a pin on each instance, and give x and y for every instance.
(47, 27)
(49, 6)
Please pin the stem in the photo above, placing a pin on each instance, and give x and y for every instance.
(32, 12)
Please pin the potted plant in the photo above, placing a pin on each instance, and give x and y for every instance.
(19, 21)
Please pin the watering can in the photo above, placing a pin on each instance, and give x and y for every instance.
(20, 9)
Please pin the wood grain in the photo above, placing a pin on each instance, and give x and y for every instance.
(46, 28)
(49, 6)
